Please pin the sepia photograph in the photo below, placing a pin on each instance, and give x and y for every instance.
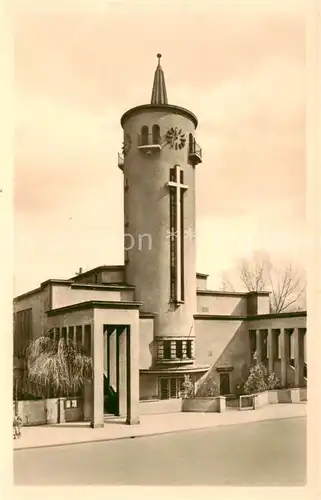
(160, 244)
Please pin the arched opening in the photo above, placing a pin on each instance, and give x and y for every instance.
(156, 134)
(144, 135)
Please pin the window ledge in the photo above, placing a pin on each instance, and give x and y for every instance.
(175, 360)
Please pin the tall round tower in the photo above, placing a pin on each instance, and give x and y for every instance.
(158, 162)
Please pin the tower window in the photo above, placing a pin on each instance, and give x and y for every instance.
(179, 349)
(176, 223)
(190, 143)
(189, 349)
(156, 134)
(144, 135)
(167, 349)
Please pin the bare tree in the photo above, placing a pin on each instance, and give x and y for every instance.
(287, 289)
(255, 274)
(285, 283)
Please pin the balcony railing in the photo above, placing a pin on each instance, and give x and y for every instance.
(194, 152)
(149, 142)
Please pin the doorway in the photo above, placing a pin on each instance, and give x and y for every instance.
(225, 384)
(117, 375)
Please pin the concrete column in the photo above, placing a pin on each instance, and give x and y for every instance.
(284, 355)
(271, 349)
(258, 347)
(122, 382)
(87, 400)
(132, 337)
(112, 360)
(298, 357)
(61, 411)
(105, 353)
(97, 346)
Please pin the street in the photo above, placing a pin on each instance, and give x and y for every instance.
(268, 453)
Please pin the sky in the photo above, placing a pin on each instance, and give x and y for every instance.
(239, 66)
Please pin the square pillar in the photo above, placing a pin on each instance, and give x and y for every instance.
(271, 350)
(122, 372)
(97, 347)
(132, 347)
(258, 347)
(106, 353)
(299, 357)
(61, 411)
(112, 359)
(284, 355)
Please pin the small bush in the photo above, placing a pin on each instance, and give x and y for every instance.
(208, 388)
(273, 382)
(188, 387)
(259, 380)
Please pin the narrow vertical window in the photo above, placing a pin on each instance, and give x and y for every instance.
(87, 341)
(190, 143)
(189, 351)
(167, 349)
(182, 237)
(144, 135)
(179, 349)
(173, 235)
(156, 134)
(176, 190)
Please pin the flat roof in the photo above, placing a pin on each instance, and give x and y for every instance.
(95, 304)
(100, 268)
(204, 291)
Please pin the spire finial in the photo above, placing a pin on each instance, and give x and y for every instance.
(159, 95)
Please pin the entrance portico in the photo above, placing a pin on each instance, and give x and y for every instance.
(117, 372)
(115, 356)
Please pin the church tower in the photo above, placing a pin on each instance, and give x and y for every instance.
(159, 158)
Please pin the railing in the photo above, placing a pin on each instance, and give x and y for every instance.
(148, 140)
(194, 148)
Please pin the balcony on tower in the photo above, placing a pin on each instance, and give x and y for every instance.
(194, 151)
(120, 161)
(149, 142)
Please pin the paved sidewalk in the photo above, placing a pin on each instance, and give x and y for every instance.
(115, 428)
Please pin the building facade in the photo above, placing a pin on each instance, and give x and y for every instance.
(153, 320)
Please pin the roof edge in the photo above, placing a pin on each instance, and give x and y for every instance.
(159, 107)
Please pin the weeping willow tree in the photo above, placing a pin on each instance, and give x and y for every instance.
(58, 366)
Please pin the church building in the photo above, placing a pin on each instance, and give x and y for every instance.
(151, 321)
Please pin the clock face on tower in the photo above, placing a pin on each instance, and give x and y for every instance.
(126, 144)
(175, 138)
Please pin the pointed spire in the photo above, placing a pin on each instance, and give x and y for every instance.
(159, 94)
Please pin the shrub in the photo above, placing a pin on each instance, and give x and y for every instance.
(273, 382)
(208, 388)
(188, 387)
(259, 380)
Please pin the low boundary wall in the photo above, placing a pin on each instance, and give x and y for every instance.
(261, 399)
(152, 407)
(50, 411)
(204, 405)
